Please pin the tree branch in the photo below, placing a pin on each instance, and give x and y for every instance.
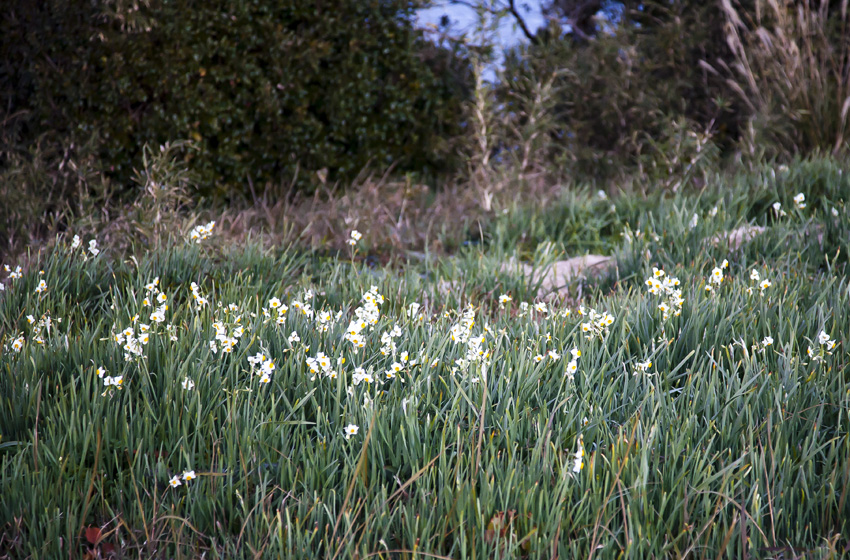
(514, 12)
(511, 8)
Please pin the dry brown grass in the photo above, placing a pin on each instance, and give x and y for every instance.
(395, 216)
(792, 69)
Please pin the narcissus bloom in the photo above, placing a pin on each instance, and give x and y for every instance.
(824, 340)
(355, 237)
(578, 460)
(351, 430)
(716, 276)
(642, 367)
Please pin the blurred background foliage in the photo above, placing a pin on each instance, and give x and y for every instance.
(265, 100)
(755, 79)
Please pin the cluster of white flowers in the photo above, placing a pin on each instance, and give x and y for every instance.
(323, 364)
(187, 476)
(572, 366)
(361, 375)
(109, 381)
(279, 308)
(44, 324)
(826, 345)
(540, 308)
(154, 295)
(355, 237)
(304, 307)
(461, 331)
(642, 367)
(13, 274)
(716, 277)
(262, 365)
(597, 323)
(398, 367)
(227, 333)
(131, 341)
(366, 316)
(77, 243)
(762, 284)
(799, 203)
(325, 320)
(17, 343)
(825, 340)
(388, 344)
(197, 296)
(667, 287)
(16, 274)
(477, 351)
(200, 233)
(42, 287)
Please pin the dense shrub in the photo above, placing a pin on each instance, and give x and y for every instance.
(267, 90)
(629, 82)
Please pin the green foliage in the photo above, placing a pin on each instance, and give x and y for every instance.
(268, 91)
(725, 446)
(626, 94)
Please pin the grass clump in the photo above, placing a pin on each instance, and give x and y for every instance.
(206, 399)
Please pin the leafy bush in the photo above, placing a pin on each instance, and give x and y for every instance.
(266, 90)
(626, 95)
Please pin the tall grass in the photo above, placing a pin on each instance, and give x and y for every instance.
(791, 69)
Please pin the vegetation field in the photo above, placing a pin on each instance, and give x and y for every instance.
(213, 400)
